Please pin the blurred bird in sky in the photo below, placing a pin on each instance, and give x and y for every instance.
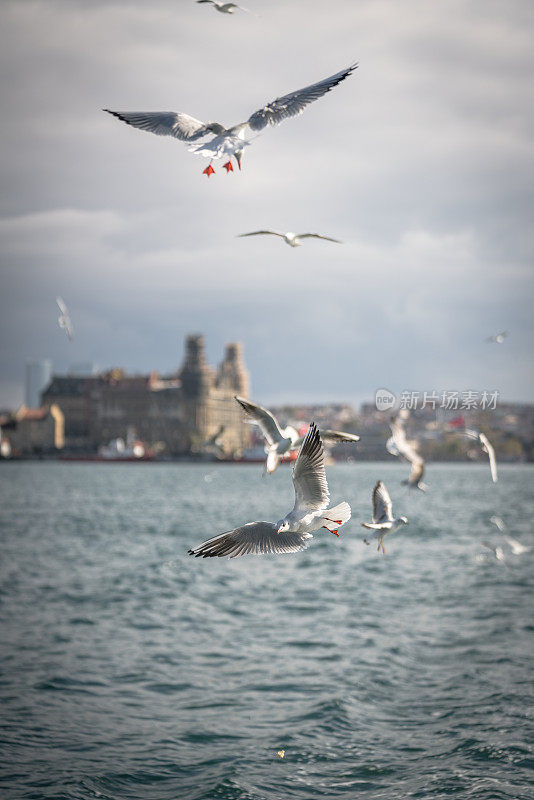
(224, 8)
(498, 552)
(291, 533)
(64, 320)
(281, 441)
(290, 238)
(228, 142)
(487, 448)
(498, 338)
(398, 445)
(383, 520)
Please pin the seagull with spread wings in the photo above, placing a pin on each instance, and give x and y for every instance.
(281, 441)
(290, 238)
(292, 532)
(383, 520)
(64, 320)
(228, 142)
(398, 445)
(224, 8)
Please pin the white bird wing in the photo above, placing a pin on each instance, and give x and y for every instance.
(260, 416)
(294, 103)
(317, 236)
(334, 437)
(499, 523)
(164, 123)
(382, 505)
(309, 475)
(488, 447)
(62, 306)
(261, 233)
(69, 329)
(253, 538)
(417, 471)
(398, 444)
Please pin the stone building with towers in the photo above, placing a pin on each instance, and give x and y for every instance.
(175, 414)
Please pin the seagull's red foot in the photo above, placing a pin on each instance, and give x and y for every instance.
(228, 166)
(331, 531)
(208, 171)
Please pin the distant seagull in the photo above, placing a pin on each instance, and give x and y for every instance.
(291, 533)
(498, 338)
(290, 238)
(228, 142)
(487, 447)
(281, 441)
(213, 444)
(398, 445)
(64, 320)
(498, 552)
(383, 519)
(515, 546)
(224, 8)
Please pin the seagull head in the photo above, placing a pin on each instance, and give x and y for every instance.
(403, 520)
(216, 128)
(283, 526)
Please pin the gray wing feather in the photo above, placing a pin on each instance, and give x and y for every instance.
(317, 236)
(253, 538)
(309, 475)
(331, 437)
(263, 418)
(164, 123)
(260, 233)
(294, 103)
(382, 505)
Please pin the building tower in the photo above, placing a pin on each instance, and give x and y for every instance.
(38, 374)
(232, 372)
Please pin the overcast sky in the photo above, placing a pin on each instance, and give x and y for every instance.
(421, 162)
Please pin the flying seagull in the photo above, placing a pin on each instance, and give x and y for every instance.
(228, 142)
(64, 320)
(398, 445)
(383, 520)
(498, 338)
(224, 8)
(281, 441)
(487, 447)
(515, 546)
(291, 533)
(290, 238)
(498, 552)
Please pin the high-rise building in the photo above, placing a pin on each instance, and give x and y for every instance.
(38, 374)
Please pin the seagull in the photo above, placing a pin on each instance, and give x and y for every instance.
(487, 447)
(498, 338)
(64, 320)
(498, 552)
(290, 238)
(291, 533)
(224, 8)
(516, 547)
(214, 443)
(228, 142)
(398, 445)
(383, 519)
(281, 441)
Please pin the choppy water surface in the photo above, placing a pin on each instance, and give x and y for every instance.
(131, 670)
